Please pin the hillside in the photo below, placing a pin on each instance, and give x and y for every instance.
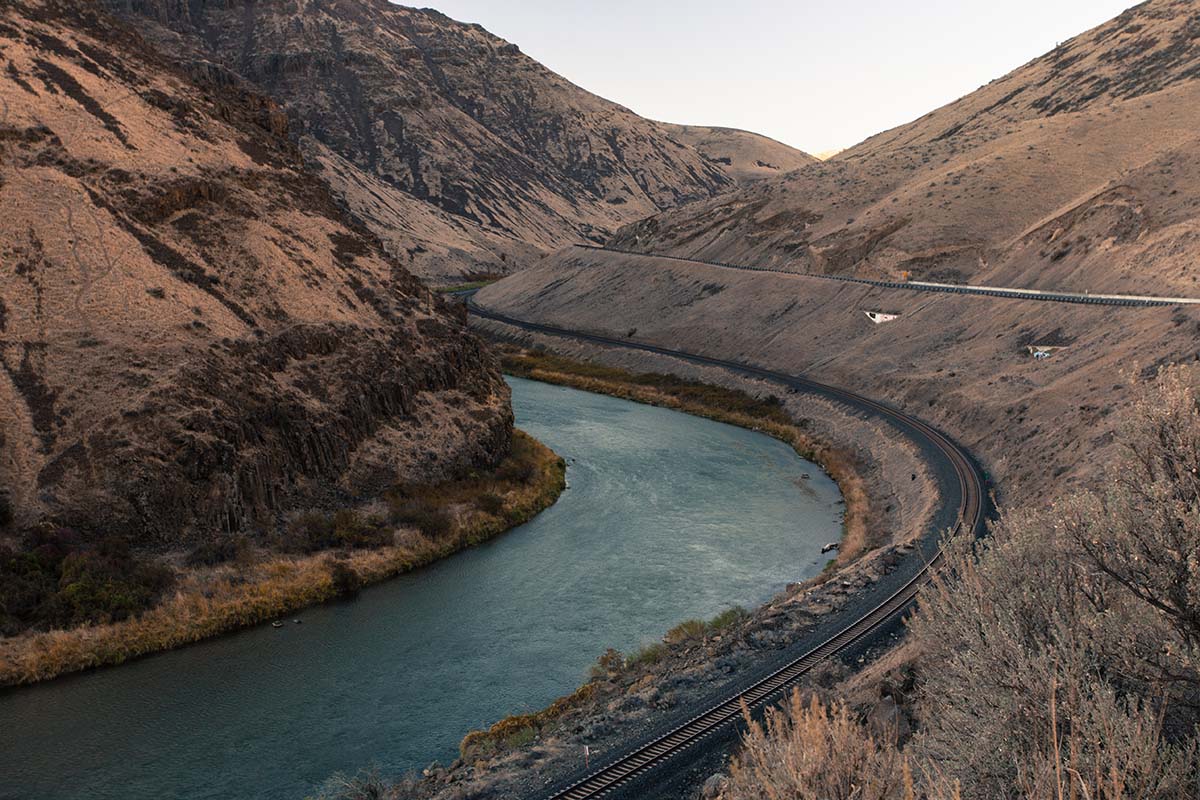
(745, 156)
(194, 335)
(462, 153)
(1077, 170)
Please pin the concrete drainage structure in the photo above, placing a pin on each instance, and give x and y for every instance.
(880, 317)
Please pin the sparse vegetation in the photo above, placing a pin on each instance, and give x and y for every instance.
(537, 364)
(220, 550)
(697, 630)
(1059, 659)
(646, 655)
(367, 785)
(230, 595)
(313, 531)
(518, 730)
(690, 630)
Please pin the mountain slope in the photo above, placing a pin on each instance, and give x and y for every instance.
(1074, 171)
(193, 336)
(746, 156)
(461, 152)
(1080, 170)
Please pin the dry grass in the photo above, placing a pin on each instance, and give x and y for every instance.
(723, 405)
(1059, 658)
(520, 729)
(810, 751)
(213, 601)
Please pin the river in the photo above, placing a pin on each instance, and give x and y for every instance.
(666, 517)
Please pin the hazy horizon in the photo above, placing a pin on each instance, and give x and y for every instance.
(816, 76)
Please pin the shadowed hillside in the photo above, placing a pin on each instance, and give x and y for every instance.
(461, 152)
(193, 335)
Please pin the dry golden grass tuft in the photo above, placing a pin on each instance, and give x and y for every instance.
(212, 601)
(520, 729)
(808, 750)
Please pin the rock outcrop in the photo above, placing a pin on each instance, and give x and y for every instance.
(194, 337)
(461, 152)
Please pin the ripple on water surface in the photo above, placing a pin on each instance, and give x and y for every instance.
(667, 517)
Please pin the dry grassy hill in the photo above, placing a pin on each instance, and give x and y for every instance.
(461, 152)
(1077, 170)
(1080, 170)
(746, 156)
(192, 333)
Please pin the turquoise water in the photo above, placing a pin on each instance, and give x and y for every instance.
(667, 517)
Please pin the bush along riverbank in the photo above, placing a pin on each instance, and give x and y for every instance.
(696, 641)
(237, 583)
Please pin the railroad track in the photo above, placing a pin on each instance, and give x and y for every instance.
(969, 517)
(944, 288)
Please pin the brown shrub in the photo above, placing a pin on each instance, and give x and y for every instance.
(1057, 654)
(1058, 658)
(809, 751)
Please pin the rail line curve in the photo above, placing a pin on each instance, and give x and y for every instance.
(969, 516)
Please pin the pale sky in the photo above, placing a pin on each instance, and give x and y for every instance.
(816, 75)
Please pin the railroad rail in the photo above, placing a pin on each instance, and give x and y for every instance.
(969, 517)
(927, 286)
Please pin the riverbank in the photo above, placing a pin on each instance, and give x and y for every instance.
(260, 585)
(718, 403)
(628, 695)
(721, 404)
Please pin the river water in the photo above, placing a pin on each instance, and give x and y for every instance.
(667, 517)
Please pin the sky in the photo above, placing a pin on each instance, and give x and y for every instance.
(819, 76)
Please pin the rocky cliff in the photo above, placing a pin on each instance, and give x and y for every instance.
(461, 152)
(193, 335)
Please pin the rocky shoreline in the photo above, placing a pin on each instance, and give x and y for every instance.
(630, 696)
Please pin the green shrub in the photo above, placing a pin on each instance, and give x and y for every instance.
(491, 503)
(309, 532)
(727, 618)
(313, 531)
(650, 654)
(56, 579)
(351, 529)
(692, 630)
(520, 738)
(516, 471)
(612, 661)
(218, 551)
(430, 520)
